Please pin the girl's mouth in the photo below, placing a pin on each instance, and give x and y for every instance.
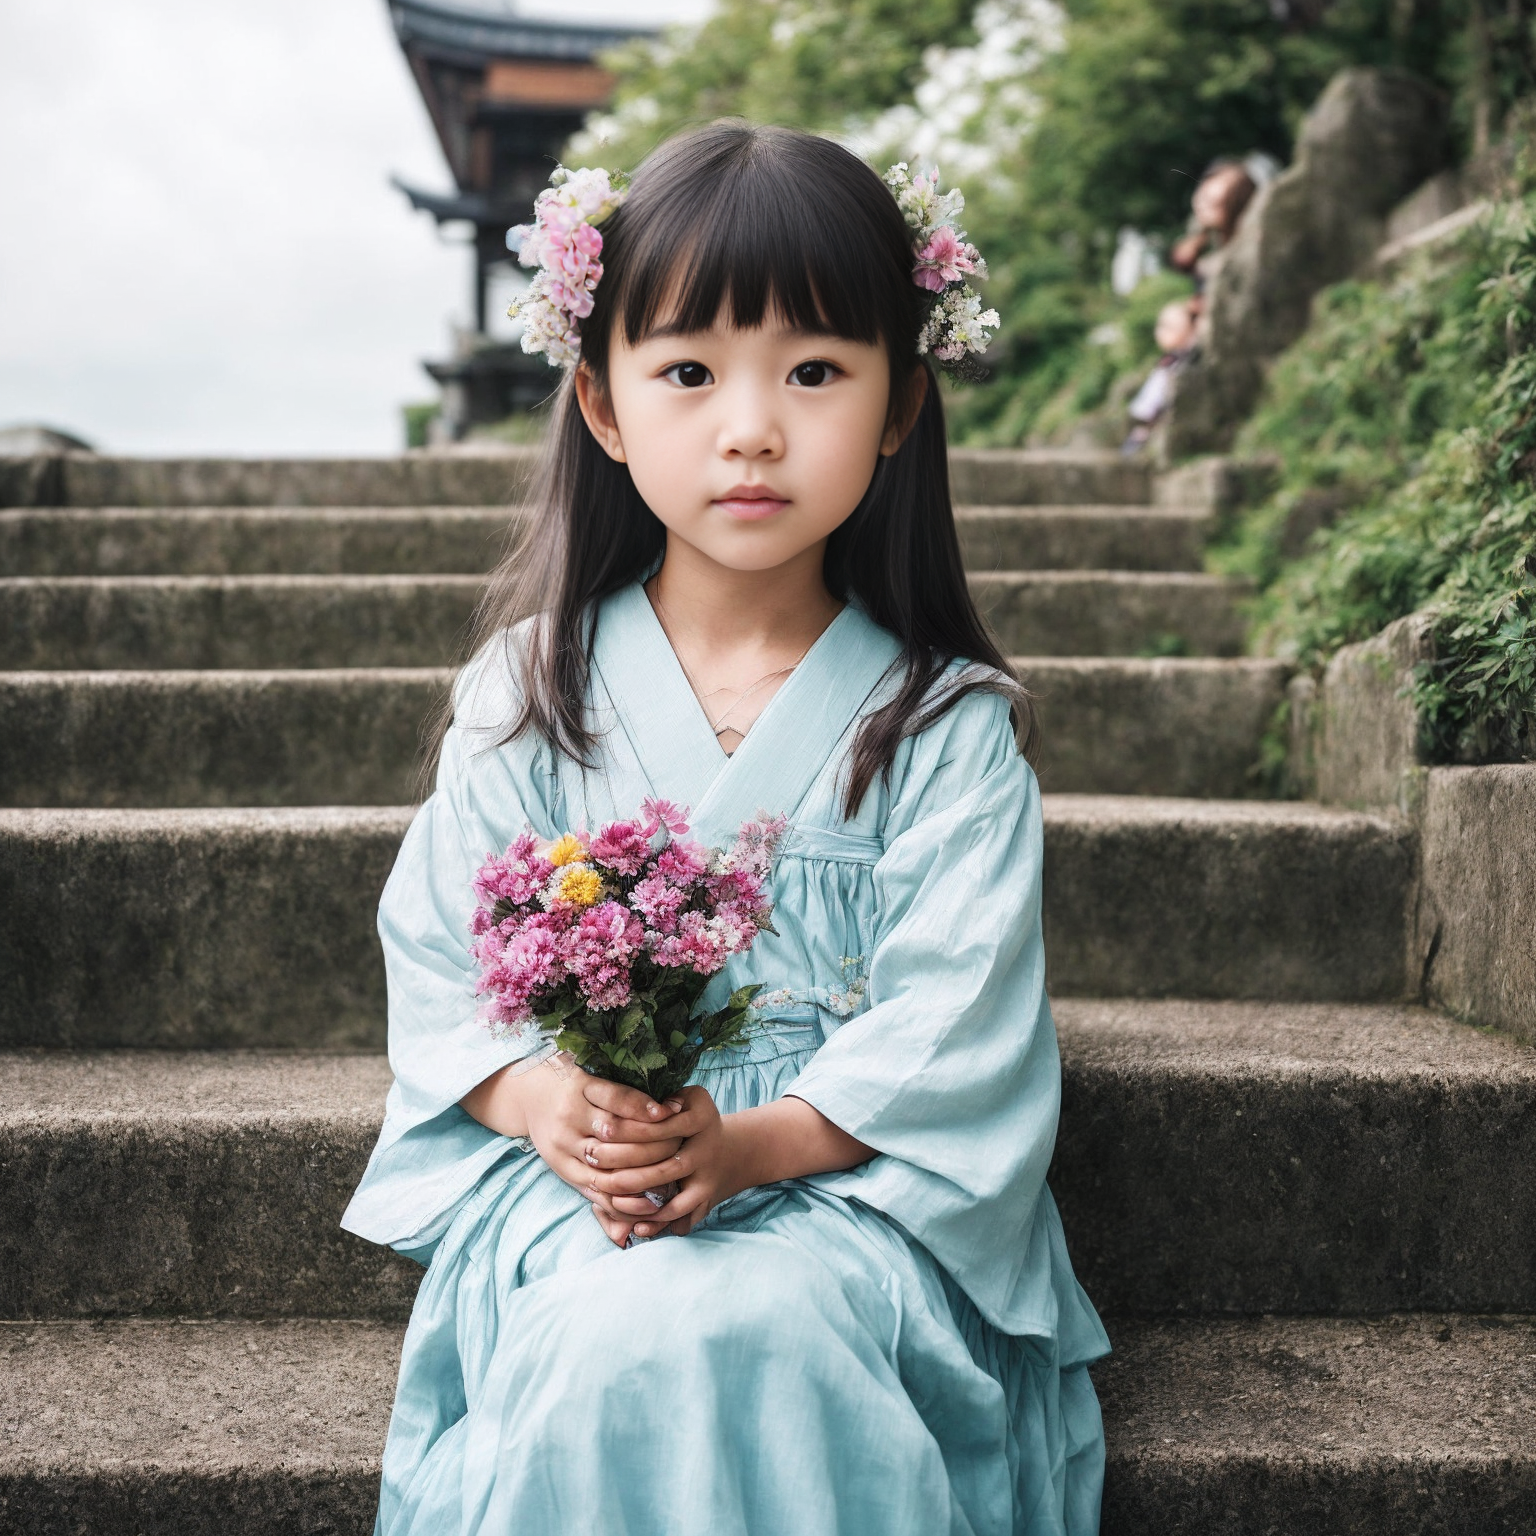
(751, 503)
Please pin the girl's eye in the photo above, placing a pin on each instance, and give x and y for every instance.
(812, 374)
(689, 375)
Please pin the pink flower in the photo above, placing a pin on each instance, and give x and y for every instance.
(659, 901)
(515, 877)
(944, 260)
(656, 814)
(682, 863)
(756, 844)
(623, 846)
(598, 951)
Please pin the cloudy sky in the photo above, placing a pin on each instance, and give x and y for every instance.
(200, 251)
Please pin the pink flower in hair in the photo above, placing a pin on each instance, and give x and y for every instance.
(945, 259)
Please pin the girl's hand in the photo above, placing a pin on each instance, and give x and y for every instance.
(711, 1165)
(579, 1123)
(787, 1139)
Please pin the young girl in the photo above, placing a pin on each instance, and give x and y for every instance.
(856, 1316)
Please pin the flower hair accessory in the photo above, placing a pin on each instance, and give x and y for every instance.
(564, 243)
(957, 329)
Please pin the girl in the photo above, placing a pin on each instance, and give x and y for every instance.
(746, 594)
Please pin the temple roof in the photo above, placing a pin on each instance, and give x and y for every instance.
(494, 29)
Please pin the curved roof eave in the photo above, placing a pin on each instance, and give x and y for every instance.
(469, 29)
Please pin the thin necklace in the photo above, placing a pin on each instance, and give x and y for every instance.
(718, 726)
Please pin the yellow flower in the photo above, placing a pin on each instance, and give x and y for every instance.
(580, 886)
(567, 850)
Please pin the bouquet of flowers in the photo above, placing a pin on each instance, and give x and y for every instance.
(604, 944)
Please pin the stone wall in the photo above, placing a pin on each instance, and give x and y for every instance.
(1472, 933)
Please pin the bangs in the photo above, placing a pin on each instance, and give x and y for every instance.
(741, 223)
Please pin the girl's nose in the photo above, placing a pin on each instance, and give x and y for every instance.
(749, 427)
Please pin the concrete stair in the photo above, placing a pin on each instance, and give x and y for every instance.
(351, 736)
(1297, 1200)
(1215, 1158)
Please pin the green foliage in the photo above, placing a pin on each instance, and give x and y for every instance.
(655, 1044)
(1145, 94)
(418, 419)
(1417, 399)
(792, 62)
(1111, 129)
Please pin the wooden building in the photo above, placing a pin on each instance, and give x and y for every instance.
(505, 92)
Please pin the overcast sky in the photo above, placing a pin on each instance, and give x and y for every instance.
(200, 251)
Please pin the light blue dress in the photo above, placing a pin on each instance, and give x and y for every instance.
(898, 1350)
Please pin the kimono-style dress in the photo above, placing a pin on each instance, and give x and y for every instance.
(896, 1350)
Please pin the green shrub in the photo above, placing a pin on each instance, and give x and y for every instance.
(1415, 400)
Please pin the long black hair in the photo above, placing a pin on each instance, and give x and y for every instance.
(751, 220)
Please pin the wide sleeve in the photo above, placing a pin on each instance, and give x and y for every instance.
(431, 1153)
(952, 1072)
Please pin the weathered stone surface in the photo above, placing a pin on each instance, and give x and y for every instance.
(459, 479)
(266, 541)
(1418, 1426)
(1217, 484)
(1153, 897)
(1081, 538)
(192, 1184)
(354, 736)
(351, 737)
(193, 1429)
(1112, 613)
(31, 480)
(1163, 726)
(1293, 1157)
(1215, 1157)
(1253, 1427)
(257, 927)
(193, 927)
(1364, 728)
(1374, 135)
(178, 622)
(498, 478)
(1475, 927)
(1046, 477)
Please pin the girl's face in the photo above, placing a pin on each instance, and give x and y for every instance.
(750, 445)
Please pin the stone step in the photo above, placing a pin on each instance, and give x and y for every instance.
(233, 621)
(1213, 1158)
(353, 736)
(278, 541)
(256, 927)
(1075, 538)
(182, 622)
(194, 927)
(265, 541)
(1293, 1157)
(196, 1183)
(1112, 613)
(1152, 897)
(1137, 726)
(1410, 1425)
(1396, 1426)
(464, 478)
(316, 737)
(458, 479)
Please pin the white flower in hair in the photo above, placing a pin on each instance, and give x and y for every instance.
(956, 329)
(564, 243)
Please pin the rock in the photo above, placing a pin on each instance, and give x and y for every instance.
(1374, 135)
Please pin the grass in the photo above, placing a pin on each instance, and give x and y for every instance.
(1408, 414)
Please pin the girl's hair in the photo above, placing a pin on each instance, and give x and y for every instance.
(750, 220)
